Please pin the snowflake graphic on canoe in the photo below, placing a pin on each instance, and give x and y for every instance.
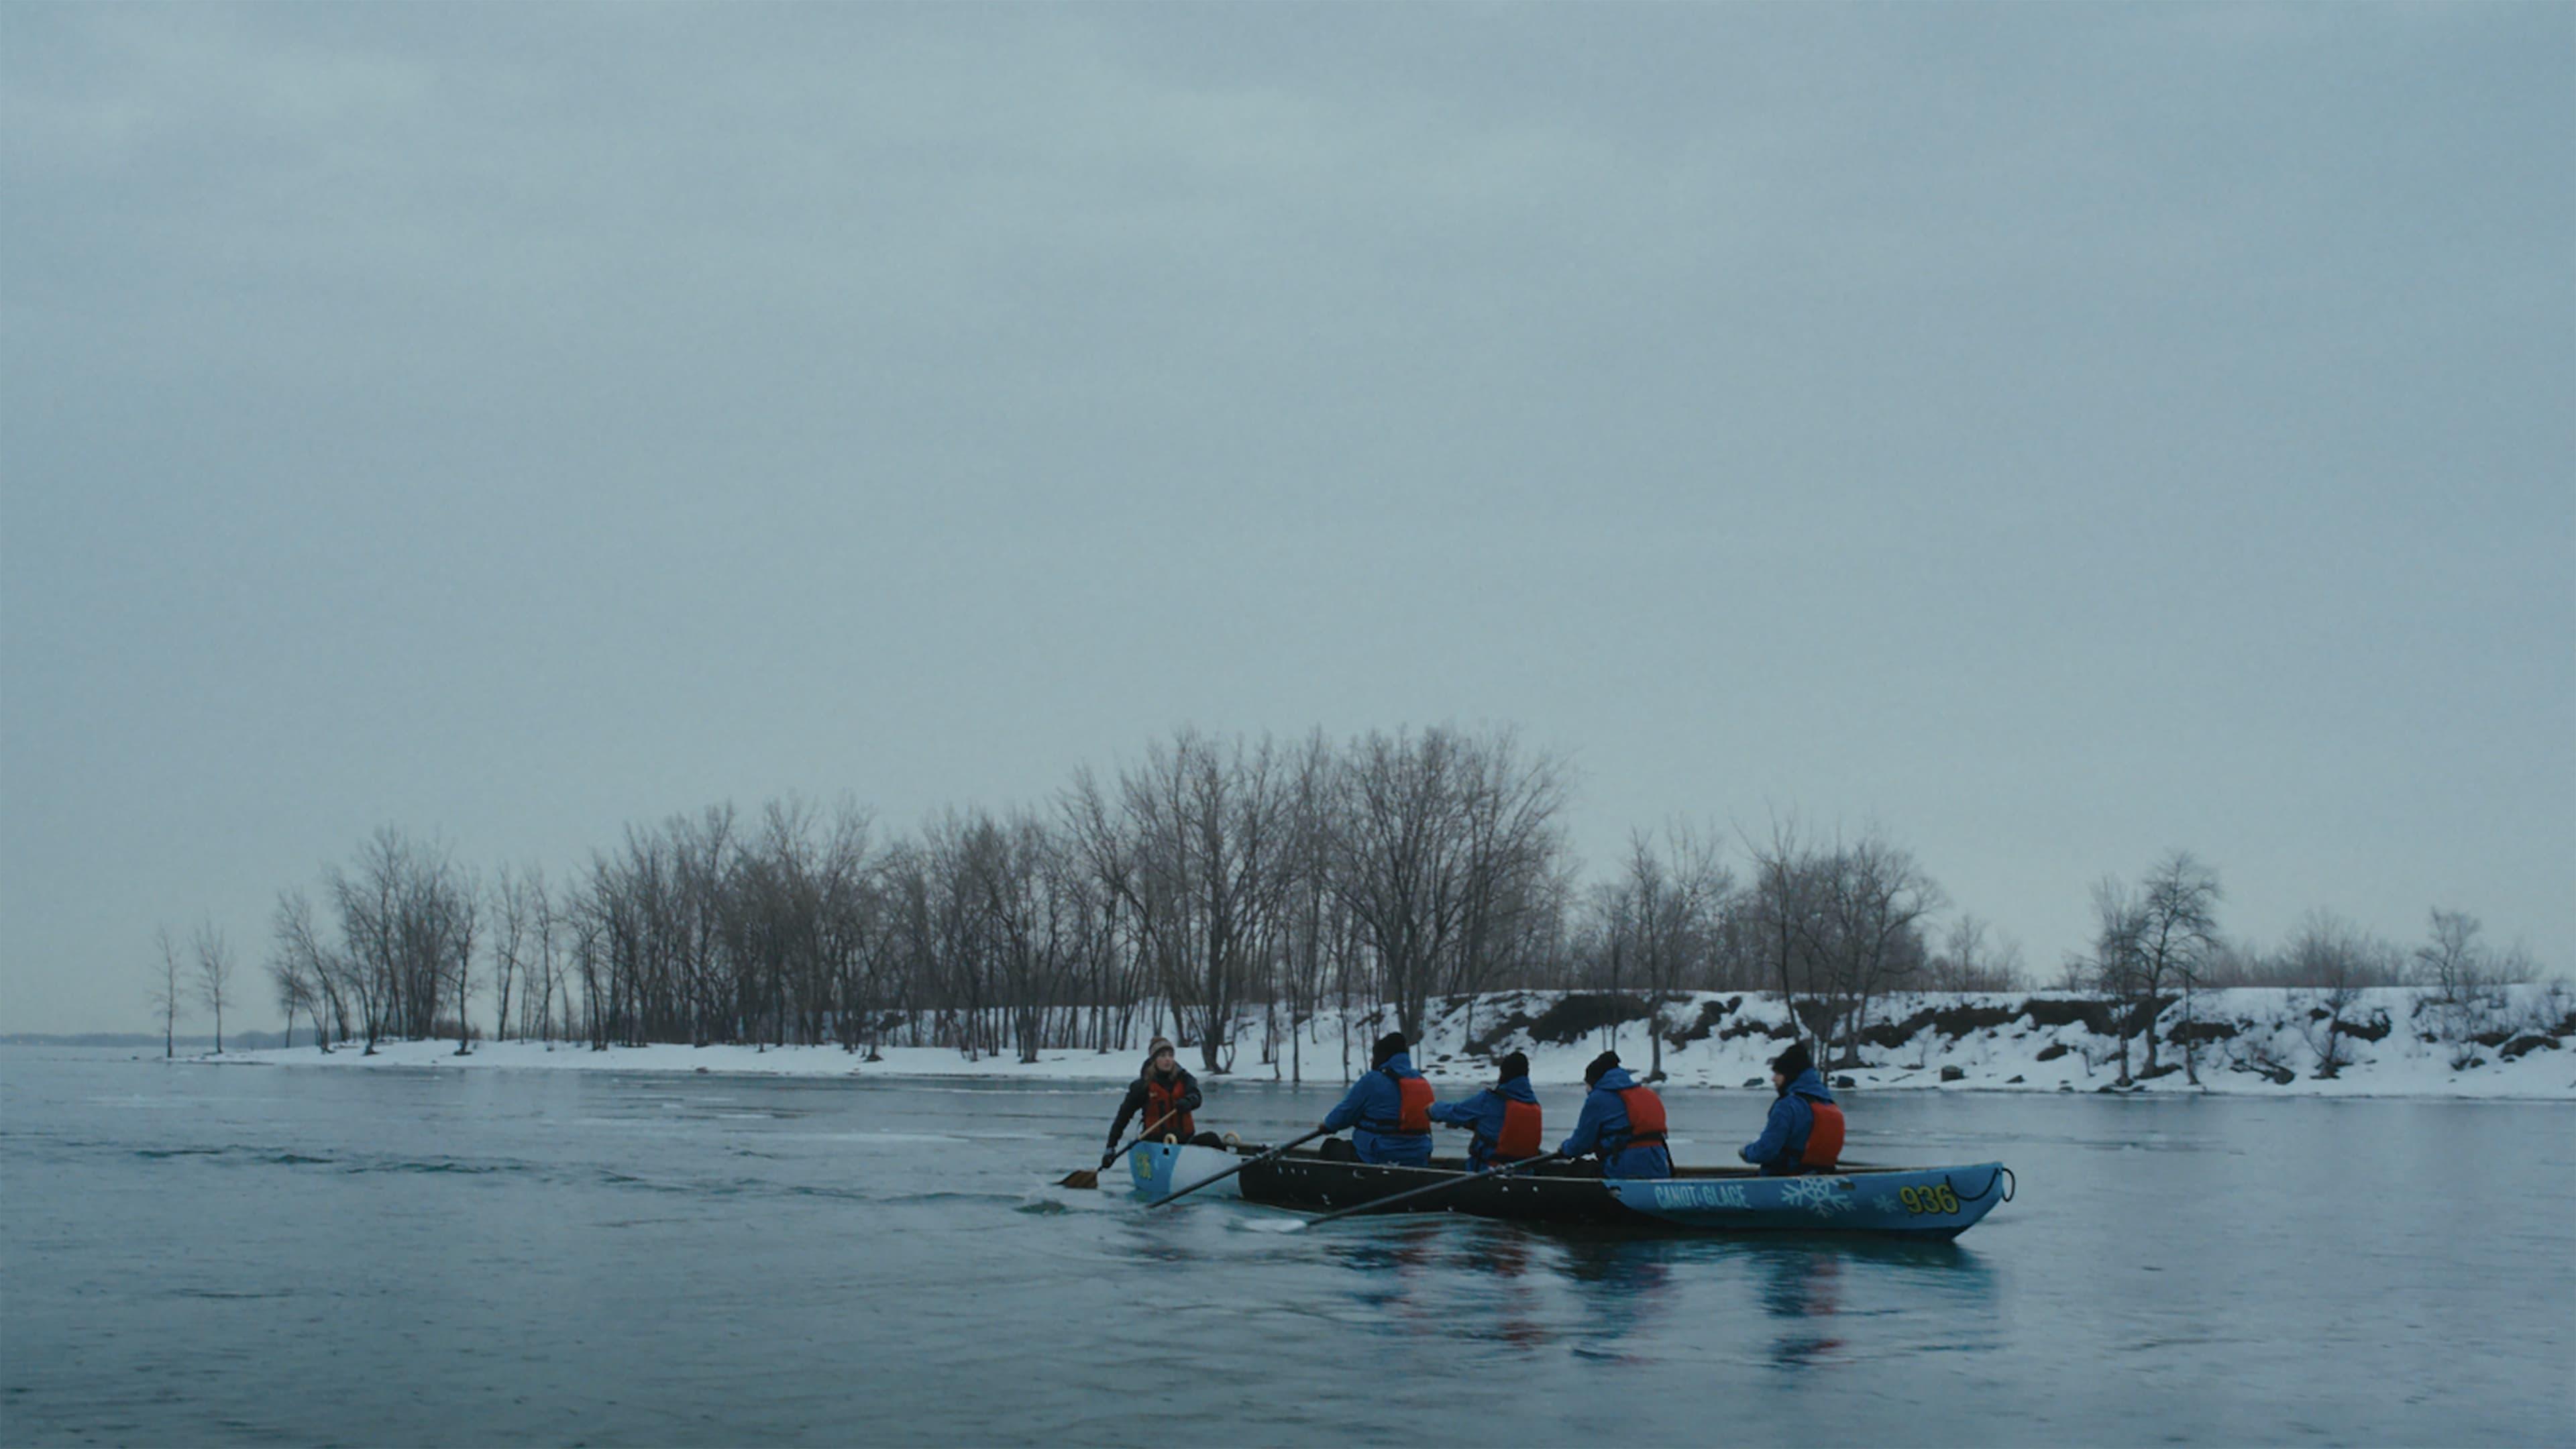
(1822, 1196)
(1885, 1203)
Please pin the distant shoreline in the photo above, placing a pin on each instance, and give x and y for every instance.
(2250, 1042)
(242, 1040)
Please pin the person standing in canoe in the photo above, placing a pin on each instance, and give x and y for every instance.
(1388, 1109)
(1164, 1094)
(1622, 1122)
(1805, 1133)
(1504, 1118)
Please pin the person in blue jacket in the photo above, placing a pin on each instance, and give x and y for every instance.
(1388, 1109)
(1503, 1116)
(1622, 1121)
(1790, 1143)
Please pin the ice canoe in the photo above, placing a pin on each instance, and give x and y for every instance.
(1907, 1202)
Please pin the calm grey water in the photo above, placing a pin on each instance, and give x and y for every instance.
(246, 1255)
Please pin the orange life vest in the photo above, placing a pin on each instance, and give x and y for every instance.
(1413, 1107)
(1645, 1118)
(1824, 1140)
(1521, 1132)
(1165, 1098)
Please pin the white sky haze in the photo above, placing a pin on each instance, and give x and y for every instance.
(2054, 434)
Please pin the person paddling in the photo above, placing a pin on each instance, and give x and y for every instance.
(1388, 1109)
(1164, 1094)
(1805, 1131)
(1504, 1118)
(1621, 1121)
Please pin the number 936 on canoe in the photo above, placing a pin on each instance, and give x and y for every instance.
(1935, 1199)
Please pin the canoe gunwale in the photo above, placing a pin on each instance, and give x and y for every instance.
(1931, 1202)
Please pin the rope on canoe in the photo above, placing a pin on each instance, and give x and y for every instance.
(2003, 1175)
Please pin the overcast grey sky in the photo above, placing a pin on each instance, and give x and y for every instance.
(2056, 434)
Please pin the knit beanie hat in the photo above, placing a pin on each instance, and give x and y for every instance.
(1514, 1064)
(1600, 1064)
(1793, 1061)
(1387, 1046)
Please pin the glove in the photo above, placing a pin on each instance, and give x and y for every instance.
(1108, 1157)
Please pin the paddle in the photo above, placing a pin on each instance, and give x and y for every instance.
(1087, 1177)
(1240, 1166)
(1381, 1202)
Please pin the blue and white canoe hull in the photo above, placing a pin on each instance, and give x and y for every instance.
(1160, 1169)
(1939, 1202)
(1905, 1202)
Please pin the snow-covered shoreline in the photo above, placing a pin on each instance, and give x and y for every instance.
(2252, 1042)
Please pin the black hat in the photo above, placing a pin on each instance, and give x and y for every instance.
(1793, 1061)
(1600, 1064)
(1387, 1046)
(1514, 1064)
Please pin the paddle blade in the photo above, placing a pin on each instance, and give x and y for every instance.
(1083, 1177)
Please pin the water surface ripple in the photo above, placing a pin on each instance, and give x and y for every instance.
(241, 1255)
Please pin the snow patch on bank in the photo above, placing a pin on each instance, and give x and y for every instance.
(2519, 1043)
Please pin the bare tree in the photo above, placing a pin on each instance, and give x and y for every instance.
(2453, 962)
(316, 971)
(463, 904)
(1973, 957)
(1668, 907)
(1445, 843)
(1518, 877)
(516, 907)
(295, 973)
(1785, 913)
(1099, 841)
(214, 975)
(167, 994)
(1197, 854)
(2117, 966)
(545, 961)
(2177, 907)
(2337, 960)
(1010, 872)
(1877, 900)
(1317, 925)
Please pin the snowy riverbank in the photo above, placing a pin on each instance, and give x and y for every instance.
(2252, 1042)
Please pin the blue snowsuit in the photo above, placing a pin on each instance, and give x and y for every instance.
(1603, 1127)
(1483, 1112)
(1784, 1136)
(1372, 1108)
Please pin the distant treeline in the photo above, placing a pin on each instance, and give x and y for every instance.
(1223, 880)
(239, 1040)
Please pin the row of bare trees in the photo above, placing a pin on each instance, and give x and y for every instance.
(1211, 879)
(204, 975)
(1228, 890)
(2159, 942)
(396, 956)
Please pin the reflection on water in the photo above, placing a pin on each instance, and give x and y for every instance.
(788, 1263)
(1803, 1286)
(1613, 1296)
(1395, 1278)
(1622, 1285)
